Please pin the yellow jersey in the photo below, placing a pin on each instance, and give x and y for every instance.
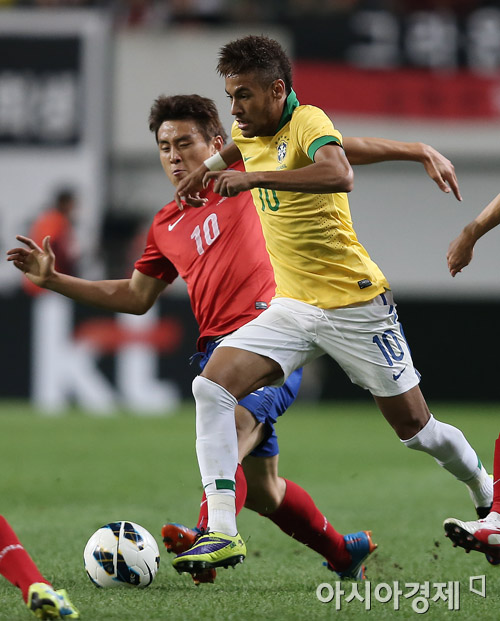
(310, 239)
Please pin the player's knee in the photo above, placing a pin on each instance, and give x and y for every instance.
(408, 429)
(265, 499)
(263, 504)
(205, 390)
(198, 386)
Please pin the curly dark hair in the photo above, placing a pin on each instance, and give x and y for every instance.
(258, 54)
(185, 107)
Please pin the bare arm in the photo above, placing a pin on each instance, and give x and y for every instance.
(373, 150)
(188, 189)
(461, 249)
(330, 172)
(133, 295)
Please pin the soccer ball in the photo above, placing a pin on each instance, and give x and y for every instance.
(121, 553)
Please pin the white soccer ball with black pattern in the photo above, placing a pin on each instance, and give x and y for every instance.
(121, 554)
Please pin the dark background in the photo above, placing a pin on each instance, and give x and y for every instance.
(454, 346)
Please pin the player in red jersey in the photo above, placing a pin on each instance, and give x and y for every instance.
(202, 246)
(219, 251)
(224, 293)
(17, 566)
(480, 535)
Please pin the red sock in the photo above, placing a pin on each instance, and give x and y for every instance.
(496, 478)
(15, 563)
(300, 518)
(241, 496)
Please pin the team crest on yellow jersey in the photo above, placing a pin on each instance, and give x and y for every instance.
(281, 148)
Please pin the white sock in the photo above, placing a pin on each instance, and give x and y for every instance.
(222, 514)
(217, 451)
(450, 449)
(481, 489)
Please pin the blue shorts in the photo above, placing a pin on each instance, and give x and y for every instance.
(265, 404)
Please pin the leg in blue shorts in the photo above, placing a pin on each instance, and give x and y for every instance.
(260, 488)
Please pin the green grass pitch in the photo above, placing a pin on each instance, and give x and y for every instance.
(63, 477)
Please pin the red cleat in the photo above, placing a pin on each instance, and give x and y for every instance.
(179, 538)
(206, 575)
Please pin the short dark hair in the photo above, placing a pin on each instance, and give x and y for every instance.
(63, 196)
(184, 107)
(258, 54)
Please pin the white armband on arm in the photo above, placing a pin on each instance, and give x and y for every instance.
(215, 162)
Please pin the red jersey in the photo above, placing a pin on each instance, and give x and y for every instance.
(219, 250)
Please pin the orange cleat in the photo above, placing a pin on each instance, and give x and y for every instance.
(179, 538)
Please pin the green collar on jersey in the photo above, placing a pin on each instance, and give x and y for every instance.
(291, 103)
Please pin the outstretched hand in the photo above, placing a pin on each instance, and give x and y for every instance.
(460, 253)
(441, 170)
(37, 263)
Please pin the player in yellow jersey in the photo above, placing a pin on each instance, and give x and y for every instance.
(330, 298)
(324, 265)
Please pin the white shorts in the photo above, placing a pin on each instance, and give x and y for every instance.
(366, 340)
